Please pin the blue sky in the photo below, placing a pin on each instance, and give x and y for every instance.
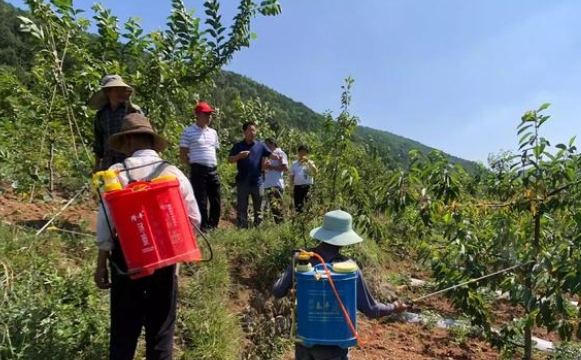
(452, 74)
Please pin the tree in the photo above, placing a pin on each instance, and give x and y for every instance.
(165, 68)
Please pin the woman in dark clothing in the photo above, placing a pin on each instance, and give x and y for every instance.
(335, 233)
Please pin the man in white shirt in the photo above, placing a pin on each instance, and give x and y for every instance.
(150, 301)
(198, 145)
(274, 179)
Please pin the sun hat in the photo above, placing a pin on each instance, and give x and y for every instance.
(99, 98)
(203, 107)
(136, 123)
(337, 229)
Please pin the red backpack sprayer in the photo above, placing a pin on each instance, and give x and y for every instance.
(151, 221)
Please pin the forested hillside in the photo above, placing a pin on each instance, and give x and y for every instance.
(391, 147)
(16, 52)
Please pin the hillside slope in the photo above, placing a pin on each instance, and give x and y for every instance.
(230, 85)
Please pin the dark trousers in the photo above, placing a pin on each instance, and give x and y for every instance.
(206, 185)
(148, 302)
(273, 200)
(300, 196)
(320, 352)
(245, 190)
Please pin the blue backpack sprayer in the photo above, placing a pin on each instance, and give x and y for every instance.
(326, 301)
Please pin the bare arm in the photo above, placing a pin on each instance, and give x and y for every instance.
(101, 275)
(233, 158)
(241, 155)
(312, 167)
(184, 156)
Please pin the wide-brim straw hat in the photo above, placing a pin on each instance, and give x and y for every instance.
(99, 99)
(136, 123)
(337, 229)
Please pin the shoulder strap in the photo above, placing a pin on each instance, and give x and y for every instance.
(157, 171)
(126, 169)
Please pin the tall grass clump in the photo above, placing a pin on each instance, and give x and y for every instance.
(50, 307)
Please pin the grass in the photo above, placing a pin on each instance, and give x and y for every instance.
(50, 308)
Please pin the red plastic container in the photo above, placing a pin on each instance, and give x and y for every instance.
(153, 226)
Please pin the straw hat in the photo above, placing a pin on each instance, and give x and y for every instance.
(99, 99)
(337, 229)
(136, 123)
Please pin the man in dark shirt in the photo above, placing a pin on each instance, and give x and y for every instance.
(112, 103)
(248, 156)
(335, 233)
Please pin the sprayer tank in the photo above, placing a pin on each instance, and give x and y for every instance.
(320, 319)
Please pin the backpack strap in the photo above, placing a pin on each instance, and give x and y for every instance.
(126, 169)
(162, 165)
(157, 171)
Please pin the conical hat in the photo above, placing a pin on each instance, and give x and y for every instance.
(99, 98)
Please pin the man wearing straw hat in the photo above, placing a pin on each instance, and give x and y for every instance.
(335, 233)
(149, 301)
(112, 103)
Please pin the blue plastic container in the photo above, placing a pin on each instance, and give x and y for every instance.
(320, 320)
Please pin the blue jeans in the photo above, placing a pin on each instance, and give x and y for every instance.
(243, 191)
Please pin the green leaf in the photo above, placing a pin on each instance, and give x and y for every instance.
(544, 107)
(524, 139)
(523, 128)
(63, 4)
(543, 119)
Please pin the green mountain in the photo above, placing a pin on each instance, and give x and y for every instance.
(16, 56)
(295, 114)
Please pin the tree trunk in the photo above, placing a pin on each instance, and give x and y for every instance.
(528, 354)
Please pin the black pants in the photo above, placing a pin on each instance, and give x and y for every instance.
(300, 196)
(206, 184)
(148, 302)
(244, 190)
(320, 352)
(274, 202)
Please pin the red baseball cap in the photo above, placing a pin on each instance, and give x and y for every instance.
(203, 107)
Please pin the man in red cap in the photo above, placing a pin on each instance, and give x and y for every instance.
(198, 145)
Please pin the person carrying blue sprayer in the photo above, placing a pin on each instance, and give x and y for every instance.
(323, 310)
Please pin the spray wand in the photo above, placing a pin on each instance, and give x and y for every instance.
(411, 302)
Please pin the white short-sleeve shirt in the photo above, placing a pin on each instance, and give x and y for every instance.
(201, 145)
(274, 178)
(301, 174)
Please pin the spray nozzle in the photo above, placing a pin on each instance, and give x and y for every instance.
(106, 178)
